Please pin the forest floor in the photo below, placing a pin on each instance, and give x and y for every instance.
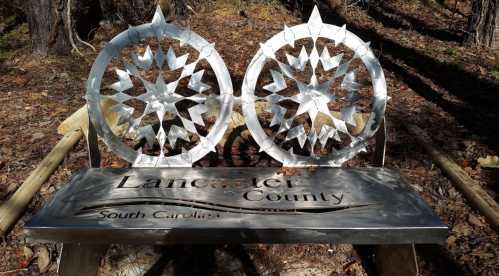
(449, 90)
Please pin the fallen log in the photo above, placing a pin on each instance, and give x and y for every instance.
(13, 208)
(471, 189)
(79, 119)
(73, 129)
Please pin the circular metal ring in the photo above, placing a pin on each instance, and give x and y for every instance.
(159, 28)
(314, 29)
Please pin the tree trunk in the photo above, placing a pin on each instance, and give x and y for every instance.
(135, 12)
(47, 19)
(483, 28)
(46, 25)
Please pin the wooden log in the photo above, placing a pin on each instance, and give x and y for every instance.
(79, 119)
(13, 208)
(471, 189)
(73, 129)
(74, 121)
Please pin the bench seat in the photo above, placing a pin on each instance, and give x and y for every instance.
(237, 205)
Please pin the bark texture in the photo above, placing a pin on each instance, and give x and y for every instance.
(47, 19)
(134, 12)
(46, 25)
(483, 27)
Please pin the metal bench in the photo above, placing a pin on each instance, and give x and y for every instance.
(177, 116)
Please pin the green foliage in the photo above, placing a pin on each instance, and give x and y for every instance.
(495, 74)
(451, 51)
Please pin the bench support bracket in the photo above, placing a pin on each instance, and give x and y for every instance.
(396, 259)
(80, 259)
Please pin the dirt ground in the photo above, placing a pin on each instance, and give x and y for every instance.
(449, 90)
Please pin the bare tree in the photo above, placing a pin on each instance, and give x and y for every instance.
(55, 29)
(46, 25)
(484, 24)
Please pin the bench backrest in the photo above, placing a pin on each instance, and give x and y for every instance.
(184, 104)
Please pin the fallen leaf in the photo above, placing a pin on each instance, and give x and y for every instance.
(465, 163)
(475, 220)
(347, 266)
(451, 241)
(24, 255)
(417, 188)
(12, 187)
(481, 254)
(463, 229)
(45, 123)
(489, 161)
(28, 253)
(23, 264)
(288, 171)
(36, 136)
(21, 80)
(118, 164)
(43, 259)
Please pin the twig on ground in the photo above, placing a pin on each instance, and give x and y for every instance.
(191, 9)
(12, 209)
(70, 30)
(469, 187)
(84, 42)
(8, 272)
(73, 129)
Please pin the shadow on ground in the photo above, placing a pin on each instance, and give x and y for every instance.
(199, 260)
(478, 113)
(392, 18)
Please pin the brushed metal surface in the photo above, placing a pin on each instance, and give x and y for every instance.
(240, 205)
(160, 98)
(313, 96)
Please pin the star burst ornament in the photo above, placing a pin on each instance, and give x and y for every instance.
(313, 97)
(161, 98)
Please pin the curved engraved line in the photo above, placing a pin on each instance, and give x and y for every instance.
(220, 207)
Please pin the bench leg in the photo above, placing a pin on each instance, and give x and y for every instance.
(92, 146)
(80, 259)
(380, 147)
(396, 259)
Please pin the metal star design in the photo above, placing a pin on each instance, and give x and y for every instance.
(313, 97)
(161, 97)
